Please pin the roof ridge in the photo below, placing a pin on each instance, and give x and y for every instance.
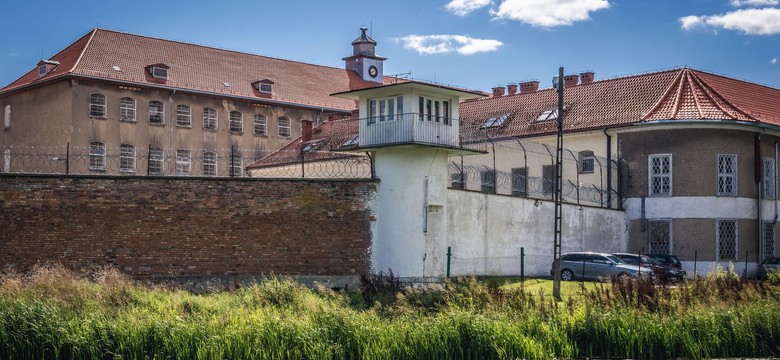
(709, 91)
(674, 84)
(83, 50)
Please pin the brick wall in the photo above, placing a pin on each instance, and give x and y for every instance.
(193, 227)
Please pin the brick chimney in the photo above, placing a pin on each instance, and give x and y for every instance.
(586, 77)
(529, 86)
(305, 130)
(511, 89)
(498, 91)
(571, 80)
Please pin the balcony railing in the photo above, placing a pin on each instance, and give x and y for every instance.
(413, 128)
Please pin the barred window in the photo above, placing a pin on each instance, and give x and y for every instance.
(183, 115)
(236, 165)
(127, 109)
(236, 121)
(97, 156)
(127, 158)
(7, 160)
(519, 181)
(209, 163)
(727, 240)
(284, 127)
(769, 239)
(548, 179)
(156, 161)
(488, 177)
(587, 161)
(97, 105)
(659, 236)
(183, 162)
(260, 124)
(660, 175)
(209, 118)
(727, 174)
(156, 112)
(770, 191)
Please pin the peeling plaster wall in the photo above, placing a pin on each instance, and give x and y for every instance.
(486, 233)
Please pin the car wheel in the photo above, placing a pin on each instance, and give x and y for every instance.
(567, 275)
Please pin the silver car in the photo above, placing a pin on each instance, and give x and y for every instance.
(596, 266)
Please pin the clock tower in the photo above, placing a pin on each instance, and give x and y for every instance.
(364, 60)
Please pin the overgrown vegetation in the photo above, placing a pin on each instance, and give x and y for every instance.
(52, 313)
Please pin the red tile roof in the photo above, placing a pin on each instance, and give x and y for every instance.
(199, 68)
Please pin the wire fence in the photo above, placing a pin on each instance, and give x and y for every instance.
(98, 159)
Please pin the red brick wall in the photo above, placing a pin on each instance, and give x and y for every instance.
(171, 227)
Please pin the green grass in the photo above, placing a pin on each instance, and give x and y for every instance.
(53, 313)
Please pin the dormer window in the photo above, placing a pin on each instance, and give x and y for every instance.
(160, 73)
(46, 66)
(496, 121)
(265, 86)
(550, 114)
(312, 146)
(42, 71)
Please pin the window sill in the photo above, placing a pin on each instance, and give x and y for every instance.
(234, 132)
(128, 120)
(210, 129)
(98, 169)
(156, 124)
(184, 126)
(261, 135)
(98, 117)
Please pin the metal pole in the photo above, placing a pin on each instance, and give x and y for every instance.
(695, 261)
(230, 163)
(557, 196)
(67, 159)
(522, 264)
(303, 164)
(746, 261)
(449, 256)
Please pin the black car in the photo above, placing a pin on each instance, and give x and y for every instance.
(673, 265)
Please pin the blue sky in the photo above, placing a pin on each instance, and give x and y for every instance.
(476, 44)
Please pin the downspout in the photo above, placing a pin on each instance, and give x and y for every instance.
(609, 169)
(757, 166)
(171, 164)
(774, 220)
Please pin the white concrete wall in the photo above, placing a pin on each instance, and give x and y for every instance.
(486, 233)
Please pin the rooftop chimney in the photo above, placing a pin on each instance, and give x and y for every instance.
(570, 80)
(498, 91)
(305, 130)
(511, 89)
(586, 77)
(529, 86)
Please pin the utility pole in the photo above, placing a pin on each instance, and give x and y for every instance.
(558, 193)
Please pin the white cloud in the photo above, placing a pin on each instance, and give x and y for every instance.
(739, 3)
(440, 44)
(548, 13)
(773, 61)
(464, 7)
(749, 21)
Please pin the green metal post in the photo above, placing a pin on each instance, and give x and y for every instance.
(449, 256)
(522, 264)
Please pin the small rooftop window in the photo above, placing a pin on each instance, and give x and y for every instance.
(264, 86)
(227, 84)
(351, 141)
(117, 68)
(45, 66)
(496, 121)
(550, 114)
(312, 146)
(160, 72)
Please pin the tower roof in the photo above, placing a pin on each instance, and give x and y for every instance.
(363, 38)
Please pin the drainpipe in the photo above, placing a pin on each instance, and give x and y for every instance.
(774, 220)
(609, 169)
(757, 167)
(171, 164)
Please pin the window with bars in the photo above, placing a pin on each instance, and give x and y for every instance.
(660, 175)
(97, 106)
(127, 109)
(261, 125)
(236, 121)
(727, 175)
(156, 161)
(236, 165)
(183, 162)
(284, 127)
(209, 119)
(183, 116)
(519, 181)
(727, 240)
(156, 112)
(587, 161)
(488, 178)
(548, 178)
(209, 163)
(97, 156)
(769, 179)
(659, 236)
(127, 158)
(769, 239)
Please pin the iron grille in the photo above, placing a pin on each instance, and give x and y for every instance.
(727, 177)
(769, 178)
(769, 239)
(659, 236)
(727, 239)
(661, 175)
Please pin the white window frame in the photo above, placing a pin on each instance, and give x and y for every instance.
(770, 179)
(236, 123)
(284, 126)
(127, 158)
(97, 105)
(127, 109)
(97, 156)
(183, 115)
(260, 125)
(156, 157)
(718, 239)
(159, 72)
(210, 161)
(389, 108)
(651, 175)
(183, 162)
(42, 71)
(157, 113)
(209, 118)
(265, 88)
(726, 177)
(7, 116)
(587, 162)
(236, 167)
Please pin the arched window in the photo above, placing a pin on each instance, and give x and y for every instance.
(156, 161)
(209, 163)
(156, 112)
(236, 165)
(236, 121)
(7, 116)
(183, 115)
(587, 161)
(127, 158)
(127, 109)
(97, 105)
(261, 125)
(209, 119)
(284, 127)
(97, 156)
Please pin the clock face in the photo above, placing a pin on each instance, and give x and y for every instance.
(372, 71)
